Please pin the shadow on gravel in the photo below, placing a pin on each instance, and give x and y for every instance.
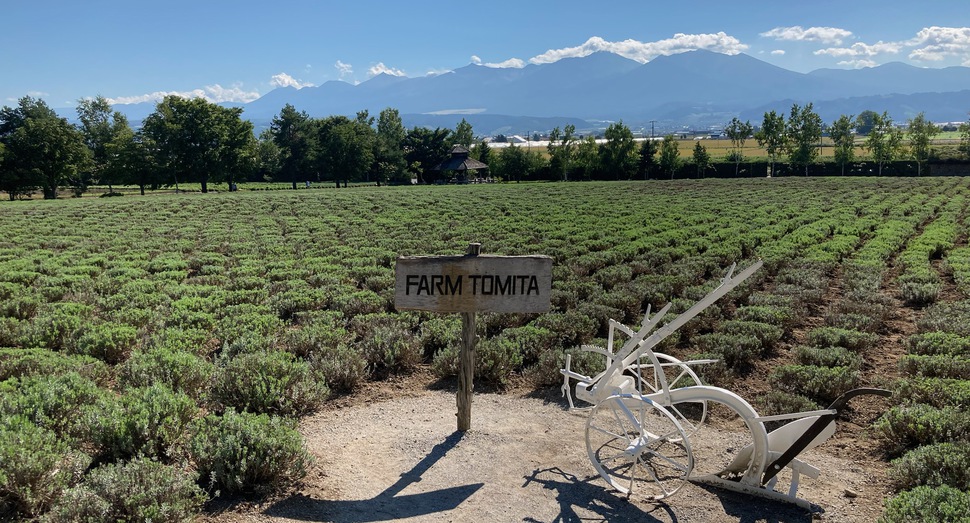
(580, 500)
(752, 509)
(387, 505)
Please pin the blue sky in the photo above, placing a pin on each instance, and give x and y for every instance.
(64, 50)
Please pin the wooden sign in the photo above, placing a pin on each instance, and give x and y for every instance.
(481, 283)
(469, 284)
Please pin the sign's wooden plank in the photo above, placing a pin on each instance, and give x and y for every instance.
(473, 283)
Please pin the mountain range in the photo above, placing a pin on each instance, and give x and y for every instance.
(696, 89)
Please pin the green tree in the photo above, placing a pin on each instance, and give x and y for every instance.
(130, 160)
(803, 136)
(519, 163)
(921, 133)
(738, 133)
(701, 159)
(964, 147)
(294, 137)
(483, 152)
(669, 155)
(425, 149)
(41, 149)
(771, 136)
(463, 135)
(268, 157)
(345, 149)
(646, 158)
(201, 141)
(885, 140)
(616, 154)
(865, 122)
(843, 140)
(99, 126)
(561, 150)
(389, 151)
(587, 161)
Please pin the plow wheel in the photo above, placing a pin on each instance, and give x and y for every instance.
(692, 414)
(634, 443)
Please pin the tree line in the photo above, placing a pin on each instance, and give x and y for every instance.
(193, 140)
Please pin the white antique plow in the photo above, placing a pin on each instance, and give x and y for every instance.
(646, 405)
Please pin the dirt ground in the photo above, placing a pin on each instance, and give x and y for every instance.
(392, 453)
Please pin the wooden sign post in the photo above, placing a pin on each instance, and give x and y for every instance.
(469, 284)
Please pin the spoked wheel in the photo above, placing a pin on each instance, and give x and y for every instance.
(678, 374)
(633, 441)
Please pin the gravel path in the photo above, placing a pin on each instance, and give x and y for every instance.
(398, 457)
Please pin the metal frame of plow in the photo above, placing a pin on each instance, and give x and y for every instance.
(622, 412)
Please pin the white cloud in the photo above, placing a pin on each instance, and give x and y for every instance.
(511, 63)
(858, 64)
(37, 94)
(797, 33)
(645, 51)
(343, 70)
(285, 80)
(380, 68)
(778, 52)
(937, 43)
(862, 49)
(212, 93)
(515, 63)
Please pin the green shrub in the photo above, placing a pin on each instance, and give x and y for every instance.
(245, 452)
(58, 326)
(735, 351)
(15, 363)
(180, 370)
(149, 421)
(775, 315)
(35, 467)
(933, 465)
(716, 373)
(445, 363)
(837, 337)
(239, 321)
(530, 341)
(572, 326)
(140, 490)
(920, 293)
(905, 427)
(268, 382)
(936, 366)
(20, 307)
(821, 384)
(439, 333)
(386, 342)
(852, 321)
(781, 402)
(938, 392)
(942, 504)
(828, 357)
(939, 343)
(55, 402)
(339, 366)
(766, 333)
(108, 342)
(497, 359)
(951, 317)
(313, 337)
